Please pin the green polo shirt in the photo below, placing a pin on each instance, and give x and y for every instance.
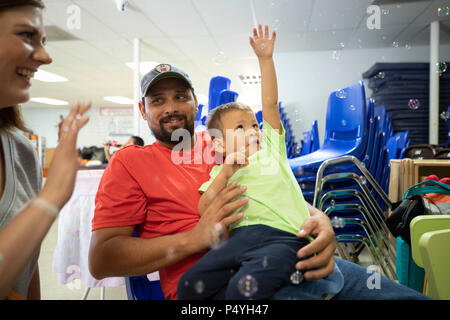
(275, 198)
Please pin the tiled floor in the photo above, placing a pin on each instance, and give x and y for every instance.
(51, 290)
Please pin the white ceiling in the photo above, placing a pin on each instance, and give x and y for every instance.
(191, 34)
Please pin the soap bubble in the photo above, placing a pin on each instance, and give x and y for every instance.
(385, 11)
(220, 58)
(444, 11)
(297, 115)
(264, 262)
(414, 104)
(352, 108)
(341, 94)
(219, 236)
(407, 46)
(297, 277)
(336, 55)
(275, 24)
(381, 75)
(342, 45)
(395, 44)
(344, 123)
(199, 286)
(247, 286)
(363, 180)
(442, 67)
(170, 253)
(299, 171)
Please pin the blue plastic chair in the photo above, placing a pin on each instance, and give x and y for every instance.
(306, 143)
(216, 85)
(140, 288)
(346, 129)
(259, 118)
(315, 136)
(226, 96)
(198, 116)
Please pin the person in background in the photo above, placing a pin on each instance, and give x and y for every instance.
(26, 211)
(134, 140)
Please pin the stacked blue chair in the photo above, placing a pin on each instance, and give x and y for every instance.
(357, 219)
(259, 118)
(346, 133)
(404, 90)
(310, 142)
(226, 96)
(198, 116)
(346, 129)
(315, 136)
(292, 147)
(216, 86)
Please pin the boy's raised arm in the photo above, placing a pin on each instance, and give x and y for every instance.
(263, 46)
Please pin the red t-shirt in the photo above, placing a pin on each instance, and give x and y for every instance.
(149, 188)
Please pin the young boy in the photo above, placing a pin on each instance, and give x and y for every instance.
(260, 255)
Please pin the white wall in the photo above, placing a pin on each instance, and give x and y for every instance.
(44, 121)
(306, 79)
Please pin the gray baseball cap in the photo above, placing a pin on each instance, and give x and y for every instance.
(163, 71)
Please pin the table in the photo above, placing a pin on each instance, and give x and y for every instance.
(70, 258)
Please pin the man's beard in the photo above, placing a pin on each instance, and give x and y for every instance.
(165, 136)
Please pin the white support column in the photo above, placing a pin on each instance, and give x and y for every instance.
(136, 86)
(434, 84)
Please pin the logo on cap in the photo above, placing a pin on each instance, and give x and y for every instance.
(163, 68)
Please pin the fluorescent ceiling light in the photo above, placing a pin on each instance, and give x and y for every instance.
(145, 66)
(119, 100)
(52, 102)
(45, 76)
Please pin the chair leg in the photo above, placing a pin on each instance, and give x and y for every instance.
(85, 294)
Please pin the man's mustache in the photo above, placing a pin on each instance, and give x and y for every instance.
(170, 117)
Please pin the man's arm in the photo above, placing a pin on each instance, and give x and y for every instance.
(263, 47)
(114, 252)
(323, 246)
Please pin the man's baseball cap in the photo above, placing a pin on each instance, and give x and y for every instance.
(163, 71)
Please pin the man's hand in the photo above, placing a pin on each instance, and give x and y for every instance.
(322, 263)
(217, 216)
(261, 43)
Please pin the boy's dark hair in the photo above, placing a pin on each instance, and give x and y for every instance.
(214, 117)
(138, 141)
(11, 117)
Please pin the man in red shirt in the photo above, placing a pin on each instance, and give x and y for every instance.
(154, 190)
(148, 190)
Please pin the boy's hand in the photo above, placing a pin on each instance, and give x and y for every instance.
(261, 43)
(233, 162)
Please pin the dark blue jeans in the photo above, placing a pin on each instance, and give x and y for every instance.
(254, 263)
(358, 285)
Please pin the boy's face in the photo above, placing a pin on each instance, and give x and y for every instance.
(240, 132)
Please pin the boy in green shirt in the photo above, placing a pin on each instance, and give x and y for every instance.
(260, 256)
